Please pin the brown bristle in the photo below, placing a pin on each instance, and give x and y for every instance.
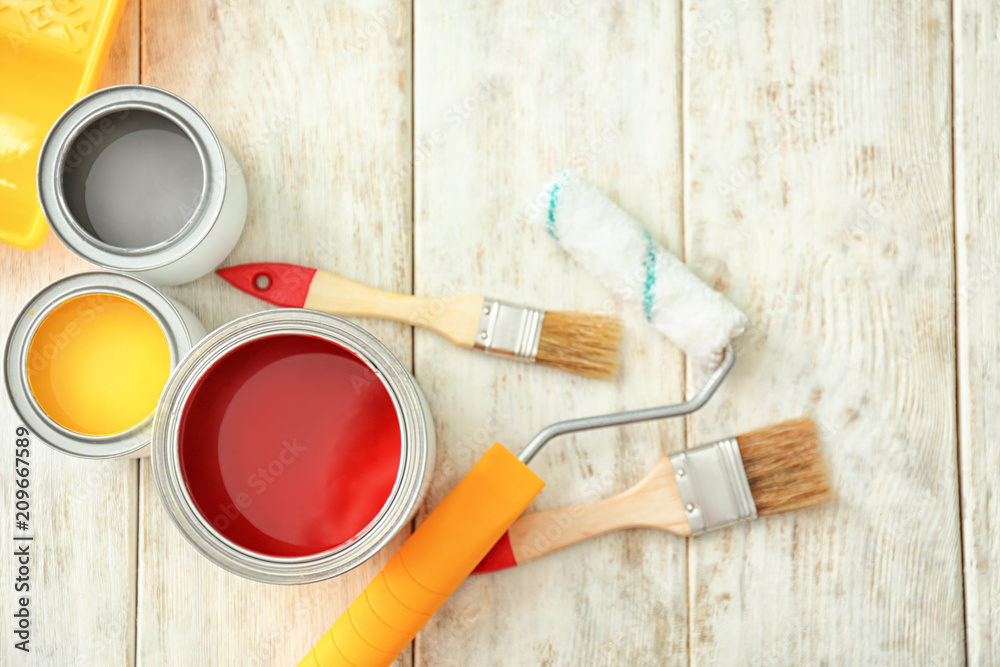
(785, 466)
(580, 343)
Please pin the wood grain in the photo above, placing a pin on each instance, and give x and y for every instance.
(818, 197)
(977, 165)
(317, 111)
(505, 95)
(83, 513)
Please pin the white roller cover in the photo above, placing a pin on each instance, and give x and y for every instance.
(616, 249)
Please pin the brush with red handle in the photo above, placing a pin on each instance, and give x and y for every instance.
(774, 469)
(580, 343)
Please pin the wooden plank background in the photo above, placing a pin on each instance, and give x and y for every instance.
(818, 193)
(500, 104)
(977, 253)
(815, 163)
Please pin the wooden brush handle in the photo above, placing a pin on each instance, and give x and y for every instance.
(456, 318)
(655, 502)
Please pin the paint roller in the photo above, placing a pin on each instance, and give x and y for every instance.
(462, 529)
(612, 246)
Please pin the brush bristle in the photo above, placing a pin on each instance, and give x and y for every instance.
(580, 343)
(785, 467)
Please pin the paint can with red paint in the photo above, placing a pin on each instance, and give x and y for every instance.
(289, 446)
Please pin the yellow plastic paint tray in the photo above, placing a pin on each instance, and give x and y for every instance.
(51, 54)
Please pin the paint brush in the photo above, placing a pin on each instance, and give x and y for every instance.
(774, 469)
(581, 343)
(454, 538)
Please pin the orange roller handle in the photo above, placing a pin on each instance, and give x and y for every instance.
(430, 565)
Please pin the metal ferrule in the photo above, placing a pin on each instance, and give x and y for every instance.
(713, 485)
(509, 331)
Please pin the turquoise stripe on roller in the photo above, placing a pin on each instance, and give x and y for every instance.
(649, 264)
(550, 224)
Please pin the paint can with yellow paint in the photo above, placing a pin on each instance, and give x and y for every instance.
(87, 359)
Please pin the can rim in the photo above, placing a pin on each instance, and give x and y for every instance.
(26, 323)
(416, 433)
(68, 128)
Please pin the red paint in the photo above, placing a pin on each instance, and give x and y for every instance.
(290, 445)
(501, 556)
(287, 284)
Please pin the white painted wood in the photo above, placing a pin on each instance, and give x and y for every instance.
(817, 193)
(818, 197)
(314, 100)
(977, 232)
(505, 95)
(83, 513)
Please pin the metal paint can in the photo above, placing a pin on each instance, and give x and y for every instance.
(32, 348)
(133, 179)
(416, 445)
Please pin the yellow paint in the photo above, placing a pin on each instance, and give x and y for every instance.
(97, 364)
